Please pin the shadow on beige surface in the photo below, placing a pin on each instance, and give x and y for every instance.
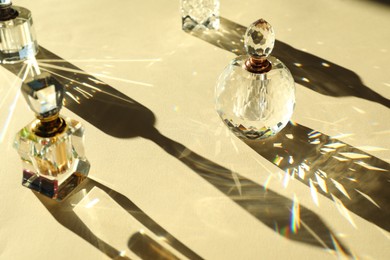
(308, 70)
(120, 116)
(139, 243)
(353, 179)
(345, 174)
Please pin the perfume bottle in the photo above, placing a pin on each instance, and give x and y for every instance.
(200, 14)
(50, 147)
(255, 94)
(17, 35)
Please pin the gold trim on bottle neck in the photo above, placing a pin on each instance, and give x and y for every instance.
(258, 65)
(50, 126)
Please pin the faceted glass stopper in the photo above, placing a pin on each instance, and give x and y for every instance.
(44, 94)
(259, 39)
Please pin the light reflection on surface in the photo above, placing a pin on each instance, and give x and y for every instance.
(114, 113)
(89, 212)
(10, 99)
(308, 70)
(100, 75)
(353, 179)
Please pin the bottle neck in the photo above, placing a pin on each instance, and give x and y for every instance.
(6, 11)
(258, 65)
(50, 126)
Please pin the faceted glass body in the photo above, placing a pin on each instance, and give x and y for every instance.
(200, 14)
(53, 166)
(253, 105)
(17, 37)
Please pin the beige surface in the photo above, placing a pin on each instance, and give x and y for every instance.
(139, 49)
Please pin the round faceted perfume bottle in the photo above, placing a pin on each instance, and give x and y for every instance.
(51, 147)
(17, 35)
(255, 94)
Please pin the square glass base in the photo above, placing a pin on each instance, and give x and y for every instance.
(200, 14)
(50, 188)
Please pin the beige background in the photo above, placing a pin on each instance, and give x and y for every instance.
(138, 48)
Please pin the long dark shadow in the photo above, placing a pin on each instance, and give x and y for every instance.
(120, 116)
(308, 70)
(333, 168)
(343, 173)
(64, 213)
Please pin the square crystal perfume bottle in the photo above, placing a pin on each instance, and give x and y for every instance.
(50, 147)
(200, 14)
(17, 36)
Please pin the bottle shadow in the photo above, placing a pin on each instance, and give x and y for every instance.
(64, 213)
(120, 116)
(350, 177)
(310, 71)
(347, 175)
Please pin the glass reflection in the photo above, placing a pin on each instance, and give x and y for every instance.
(115, 113)
(308, 70)
(353, 179)
(89, 212)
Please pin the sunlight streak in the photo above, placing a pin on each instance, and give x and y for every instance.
(341, 188)
(237, 181)
(100, 75)
(335, 145)
(267, 182)
(314, 134)
(338, 250)
(73, 97)
(343, 210)
(368, 198)
(301, 172)
(321, 182)
(12, 107)
(23, 71)
(351, 155)
(295, 223)
(83, 92)
(314, 235)
(370, 167)
(328, 150)
(287, 178)
(100, 60)
(92, 203)
(314, 193)
(340, 158)
(89, 86)
(341, 136)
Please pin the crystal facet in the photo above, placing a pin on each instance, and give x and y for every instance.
(43, 93)
(53, 166)
(256, 105)
(259, 39)
(17, 37)
(200, 14)
(51, 148)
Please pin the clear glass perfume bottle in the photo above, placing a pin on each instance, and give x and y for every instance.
(255, 94)
(51, 147)
(17, 35)
(200, 14)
